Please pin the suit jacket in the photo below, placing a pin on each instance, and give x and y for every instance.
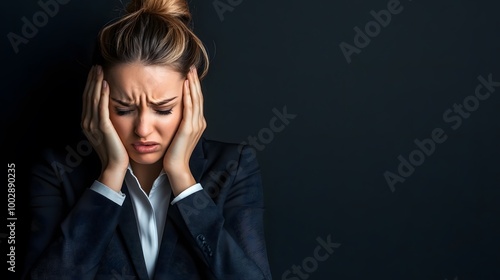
(216, 233)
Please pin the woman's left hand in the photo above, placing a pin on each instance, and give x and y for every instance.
(192, 126)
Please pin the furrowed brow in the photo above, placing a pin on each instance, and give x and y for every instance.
(163, 102)
(123, 103)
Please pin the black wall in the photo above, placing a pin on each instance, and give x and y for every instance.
(403, 104)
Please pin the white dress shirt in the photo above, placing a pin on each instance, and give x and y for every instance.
(150, 211)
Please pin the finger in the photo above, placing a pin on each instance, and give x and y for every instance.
(104, 101)
(193, 81)
(200, 100)
(198, 87)
(84, 95)
(187, 103)
(103, 109)
(96, 97)
(88, 99)
(197, 80)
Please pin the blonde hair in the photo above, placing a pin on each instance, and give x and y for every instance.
(153, 32)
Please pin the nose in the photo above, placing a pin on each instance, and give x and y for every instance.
(143, 124)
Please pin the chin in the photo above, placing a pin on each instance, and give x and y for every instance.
(146, 159)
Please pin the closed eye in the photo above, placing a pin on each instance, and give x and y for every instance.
(164, 112)
(121, 112)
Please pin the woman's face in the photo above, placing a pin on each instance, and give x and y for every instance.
(145, 108)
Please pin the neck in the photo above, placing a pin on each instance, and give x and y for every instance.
(146, 174)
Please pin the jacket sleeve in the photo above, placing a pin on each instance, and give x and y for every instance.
(70, 230)
(230, 238)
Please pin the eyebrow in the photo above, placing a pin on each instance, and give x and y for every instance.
(159, 103)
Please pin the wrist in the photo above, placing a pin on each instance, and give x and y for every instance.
(113, 178)
(180, 181)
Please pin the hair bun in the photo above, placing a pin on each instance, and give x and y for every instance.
(173, 8)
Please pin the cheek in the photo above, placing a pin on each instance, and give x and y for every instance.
(174, 120)
(170, 124)
(122, 125)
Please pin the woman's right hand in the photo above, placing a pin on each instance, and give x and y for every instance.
(101, 133)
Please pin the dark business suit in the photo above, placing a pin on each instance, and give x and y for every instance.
(216, 233)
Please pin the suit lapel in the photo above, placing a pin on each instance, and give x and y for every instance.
(167, 246)
(170, 234)
(128, 228)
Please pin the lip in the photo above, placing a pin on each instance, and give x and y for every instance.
(146, 147)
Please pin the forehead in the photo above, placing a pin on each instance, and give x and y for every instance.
(132, 80)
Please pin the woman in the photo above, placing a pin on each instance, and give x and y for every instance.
(156, 200)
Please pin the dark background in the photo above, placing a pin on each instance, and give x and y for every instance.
(324, 172)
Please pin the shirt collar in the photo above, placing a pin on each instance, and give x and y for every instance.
(131, 176)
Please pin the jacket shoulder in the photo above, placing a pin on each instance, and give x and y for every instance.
(214, 147)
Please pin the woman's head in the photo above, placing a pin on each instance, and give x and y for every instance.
(146, 56)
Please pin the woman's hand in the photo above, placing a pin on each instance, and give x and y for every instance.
(100, 131)
(192, 126)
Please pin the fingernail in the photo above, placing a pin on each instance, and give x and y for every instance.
(104, 84)
(99, 69)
